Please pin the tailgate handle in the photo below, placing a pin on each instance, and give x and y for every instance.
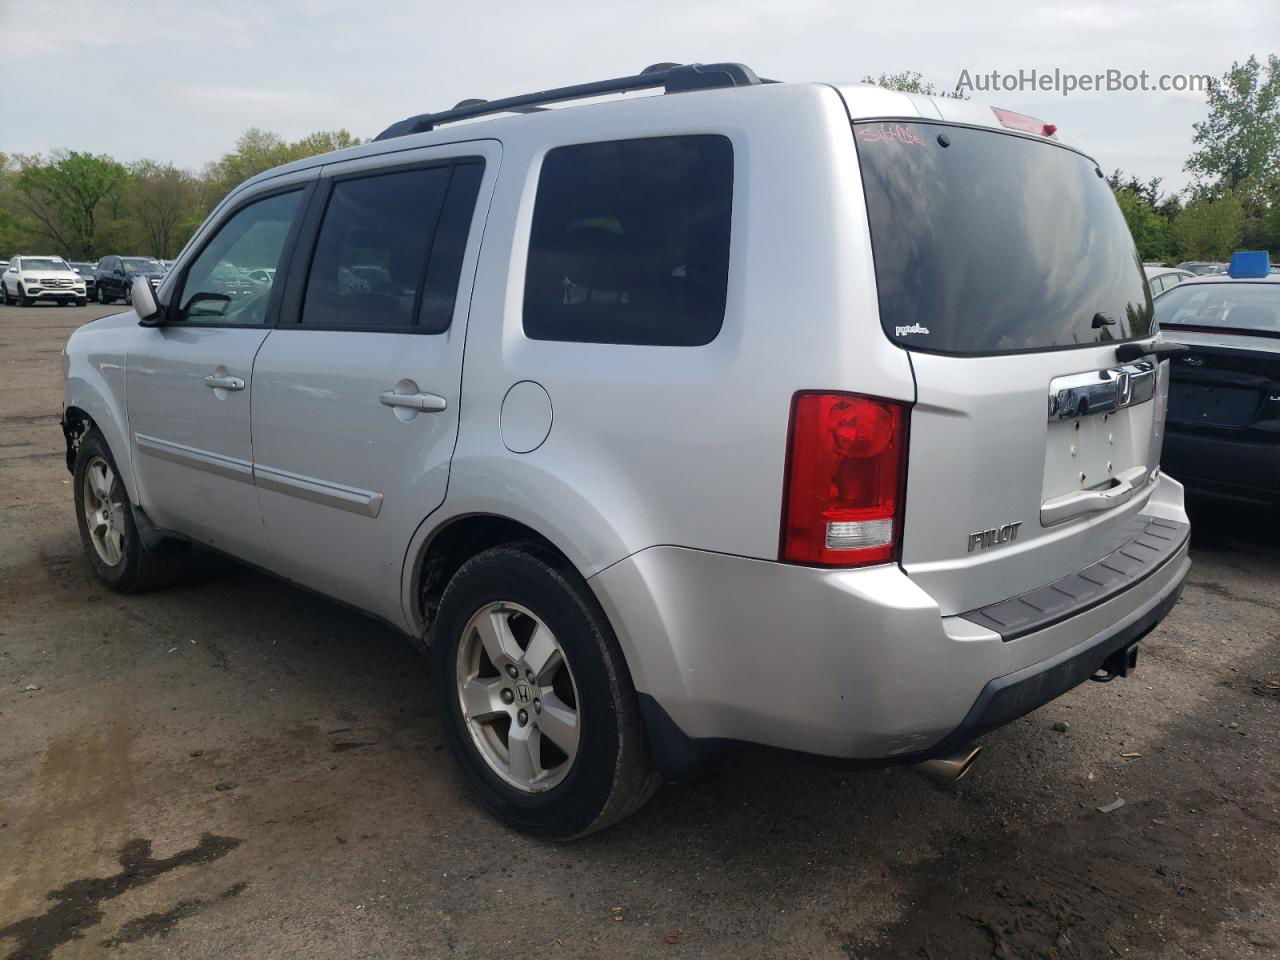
(1082, 502)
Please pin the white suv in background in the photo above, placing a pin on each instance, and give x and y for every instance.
(27, 280)
(816, 416)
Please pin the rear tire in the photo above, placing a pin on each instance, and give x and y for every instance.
(610, 774)
(107, 528)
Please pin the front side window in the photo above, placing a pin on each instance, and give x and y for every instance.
(217, 287)
(630, 242)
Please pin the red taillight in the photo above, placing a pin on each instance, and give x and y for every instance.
(846, 469)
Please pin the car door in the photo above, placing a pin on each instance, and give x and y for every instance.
(105, 278)
(355, 394)
(189, 381)
(110, 278)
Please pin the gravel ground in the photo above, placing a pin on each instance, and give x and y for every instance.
(235, 768)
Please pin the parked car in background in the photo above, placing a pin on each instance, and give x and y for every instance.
(1202, 267)
(89, 274)
(265, 276)
(1163, 278)
(1222, 437)
(29, 280)
(823, 473)
(116, 275)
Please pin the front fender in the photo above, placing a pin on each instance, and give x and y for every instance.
(94, 369)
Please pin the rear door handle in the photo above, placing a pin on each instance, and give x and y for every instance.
(424, 402)
(225, 383)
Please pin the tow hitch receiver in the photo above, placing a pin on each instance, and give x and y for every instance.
(1120, 664)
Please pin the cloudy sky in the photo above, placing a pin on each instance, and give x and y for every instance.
(180, 80)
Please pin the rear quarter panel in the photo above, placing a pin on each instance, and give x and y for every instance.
(679, 445)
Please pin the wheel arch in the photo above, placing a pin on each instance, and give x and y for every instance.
(85, 411)
(438, 551)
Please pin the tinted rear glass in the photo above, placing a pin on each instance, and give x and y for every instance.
(630, 242)
(1253, 307)
(995, 243)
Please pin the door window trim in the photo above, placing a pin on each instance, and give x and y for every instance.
(306, 189)
(292, 300)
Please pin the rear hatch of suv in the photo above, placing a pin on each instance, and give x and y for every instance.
(1005, 268)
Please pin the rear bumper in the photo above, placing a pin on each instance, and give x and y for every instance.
(1007, 698)
(1219, 467)
(856, 665)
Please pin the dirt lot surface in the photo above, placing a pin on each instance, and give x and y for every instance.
(235, 768)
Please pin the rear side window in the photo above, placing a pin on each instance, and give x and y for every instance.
(445, 265)
(372, 249)
(987, 243)
(630, 242)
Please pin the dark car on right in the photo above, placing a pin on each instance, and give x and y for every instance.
(116, 275)
(1222, 434)
(88, 271)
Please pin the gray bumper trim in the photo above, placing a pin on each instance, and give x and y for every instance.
(1095, 584)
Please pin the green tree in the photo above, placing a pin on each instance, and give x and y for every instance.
(159, 199)
(912, 81)
(62, 197)
(1151, 231)
(1209, 228)
(1237, 148)
(1146, 190)
(259, 150)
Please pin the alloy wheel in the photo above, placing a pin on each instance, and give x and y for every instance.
(518, 697)
(104, 509)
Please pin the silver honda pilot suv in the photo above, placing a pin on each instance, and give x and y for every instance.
(809, 415)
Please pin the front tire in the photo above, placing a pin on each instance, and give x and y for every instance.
(107, 529)
(535, 698)
(24, 299)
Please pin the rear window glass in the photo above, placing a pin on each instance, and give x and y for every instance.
(630, 242)
(995, 243)
(1253, 307)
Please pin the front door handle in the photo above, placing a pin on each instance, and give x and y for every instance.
(423, 402)
(225, 383)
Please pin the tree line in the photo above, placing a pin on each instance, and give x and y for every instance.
(85, 205)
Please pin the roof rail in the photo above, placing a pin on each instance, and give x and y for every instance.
(674, 78)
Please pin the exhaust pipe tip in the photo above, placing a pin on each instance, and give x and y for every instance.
(950, 767)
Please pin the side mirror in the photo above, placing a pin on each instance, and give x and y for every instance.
(144, 303)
